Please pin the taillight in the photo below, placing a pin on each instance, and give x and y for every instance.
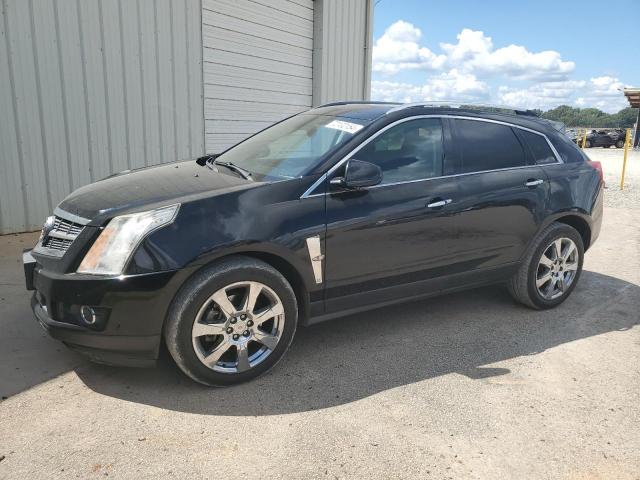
(598, 167)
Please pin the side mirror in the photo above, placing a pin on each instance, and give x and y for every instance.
(359, 174)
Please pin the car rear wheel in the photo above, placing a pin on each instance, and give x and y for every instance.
(551, 268)
(620, 144)
(231, 322)
(587, 144)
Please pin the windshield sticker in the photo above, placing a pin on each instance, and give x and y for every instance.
(344, 126)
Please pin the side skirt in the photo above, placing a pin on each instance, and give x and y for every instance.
(418, 290)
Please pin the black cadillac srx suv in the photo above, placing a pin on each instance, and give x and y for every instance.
(336, 210)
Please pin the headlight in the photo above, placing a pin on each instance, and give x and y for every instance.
(115, 244)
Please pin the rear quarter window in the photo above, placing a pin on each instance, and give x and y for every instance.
(538, 146)
(568, 151)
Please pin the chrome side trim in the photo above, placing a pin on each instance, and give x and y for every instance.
(316, 184)
(58, 212)
(316, 257)
(443, 176)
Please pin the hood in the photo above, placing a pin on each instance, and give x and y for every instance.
(149, 188)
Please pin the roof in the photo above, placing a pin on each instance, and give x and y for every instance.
(633, 95)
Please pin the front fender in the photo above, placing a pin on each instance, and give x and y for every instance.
(263, 220)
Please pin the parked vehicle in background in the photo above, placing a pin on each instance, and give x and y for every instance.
(600, 138)
(340, 209)
(618, 136)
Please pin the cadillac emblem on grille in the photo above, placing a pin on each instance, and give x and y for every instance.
(47, 227)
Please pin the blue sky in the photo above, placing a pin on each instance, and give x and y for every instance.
(533, 54)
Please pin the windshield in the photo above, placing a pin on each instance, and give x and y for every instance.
(291, 147)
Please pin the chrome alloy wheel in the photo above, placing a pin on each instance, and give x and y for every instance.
(238, 327)
(557, 268)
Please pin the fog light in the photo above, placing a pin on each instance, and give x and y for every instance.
(88, 315)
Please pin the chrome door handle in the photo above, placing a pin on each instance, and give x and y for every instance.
(533, 183)
(439, 203)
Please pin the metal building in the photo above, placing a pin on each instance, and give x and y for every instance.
(633, 95)
(92, 87)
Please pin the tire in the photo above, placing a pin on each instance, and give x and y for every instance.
(205, 350)
(620, 144)
(523, 285)
(587, 144)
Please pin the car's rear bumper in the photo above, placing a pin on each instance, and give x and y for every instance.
(596, 215)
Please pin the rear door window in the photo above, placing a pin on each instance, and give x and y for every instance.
(485, 146)
(539, 148)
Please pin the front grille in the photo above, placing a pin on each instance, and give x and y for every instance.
(61, 244)
(67, 227)
(62, 235)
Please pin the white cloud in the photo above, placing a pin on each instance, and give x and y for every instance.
(452, 85)
(542, 95)
(466, 70)
(474, 52)
(398, 49)
(385, 91)
(599, 92)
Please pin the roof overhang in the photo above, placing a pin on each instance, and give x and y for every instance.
(633, 95)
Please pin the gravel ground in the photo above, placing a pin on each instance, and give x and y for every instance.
(611, 159)
(469, 385)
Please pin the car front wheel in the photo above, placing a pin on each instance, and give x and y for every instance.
(231, 322)
(551, 269)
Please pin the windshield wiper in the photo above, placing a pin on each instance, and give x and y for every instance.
(246, 174)
(210, 160)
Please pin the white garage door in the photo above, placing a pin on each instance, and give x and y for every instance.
(257, 65)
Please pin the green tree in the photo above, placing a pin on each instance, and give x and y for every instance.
(591, 117)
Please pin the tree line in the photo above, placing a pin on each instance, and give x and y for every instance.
(590, 117)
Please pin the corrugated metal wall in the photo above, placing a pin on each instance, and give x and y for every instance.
(93, 87)
(342, 50)
(89, 88)
(257, 65)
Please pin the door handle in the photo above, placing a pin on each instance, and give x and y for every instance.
(533, 183)
(439, 203)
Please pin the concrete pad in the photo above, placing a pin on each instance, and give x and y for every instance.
(469, 385)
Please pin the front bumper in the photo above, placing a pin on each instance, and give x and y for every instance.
(121, 350)
(135, 307)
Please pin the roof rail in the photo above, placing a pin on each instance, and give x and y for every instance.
(356, 102)
(468, 105)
